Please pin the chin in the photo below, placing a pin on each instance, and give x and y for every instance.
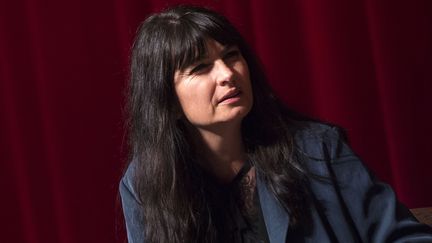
(237, 114)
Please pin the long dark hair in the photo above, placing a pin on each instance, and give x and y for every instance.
(170, 184)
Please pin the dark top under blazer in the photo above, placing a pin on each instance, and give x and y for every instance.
(358, 209)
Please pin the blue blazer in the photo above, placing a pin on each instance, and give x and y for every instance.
(349, 203)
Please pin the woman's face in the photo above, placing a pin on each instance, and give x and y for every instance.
(216, 89)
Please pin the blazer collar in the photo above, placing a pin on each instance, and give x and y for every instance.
(275, 217)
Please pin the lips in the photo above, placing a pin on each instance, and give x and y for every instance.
(230, 94)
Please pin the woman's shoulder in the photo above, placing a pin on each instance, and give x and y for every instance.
(132, 207)
(318, 140)
(314, 130)
(128, 179)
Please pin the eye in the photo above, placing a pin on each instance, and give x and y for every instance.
(200, 68)
(232, 55)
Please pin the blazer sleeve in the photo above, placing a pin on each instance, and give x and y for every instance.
(132, 212)
(371, 205)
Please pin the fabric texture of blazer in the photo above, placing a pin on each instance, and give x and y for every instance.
(349, 203)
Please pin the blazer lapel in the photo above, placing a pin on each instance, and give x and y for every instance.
(275, 217)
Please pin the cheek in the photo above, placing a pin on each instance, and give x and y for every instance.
(186, 101)
(195, 101)
(242, 69)
(244, 72)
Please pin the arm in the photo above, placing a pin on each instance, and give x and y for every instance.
(372, 204)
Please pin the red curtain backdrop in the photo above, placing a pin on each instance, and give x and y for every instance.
(365, 65)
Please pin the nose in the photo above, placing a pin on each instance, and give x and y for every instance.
(224, 73)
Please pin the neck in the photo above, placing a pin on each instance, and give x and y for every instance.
(222, 151)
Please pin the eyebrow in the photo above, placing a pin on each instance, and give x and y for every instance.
(228, 48)
(225, 50)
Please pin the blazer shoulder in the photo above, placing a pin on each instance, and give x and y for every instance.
(128, 179)
(132, 208)
(320, 141)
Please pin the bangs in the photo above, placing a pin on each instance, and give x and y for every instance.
(188, 50)
(189, 44)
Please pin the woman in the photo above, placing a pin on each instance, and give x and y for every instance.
(216, 157)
